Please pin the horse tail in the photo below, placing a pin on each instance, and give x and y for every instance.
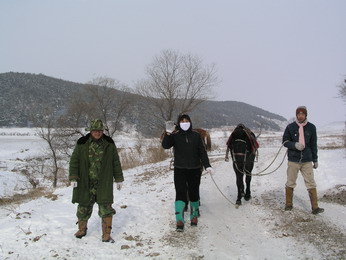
(208, 141)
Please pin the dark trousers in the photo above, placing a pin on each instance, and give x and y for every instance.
(186, 181)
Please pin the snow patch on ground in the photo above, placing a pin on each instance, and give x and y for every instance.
(144, 225)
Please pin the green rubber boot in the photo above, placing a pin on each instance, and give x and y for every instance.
(179, 214)
(194, 212)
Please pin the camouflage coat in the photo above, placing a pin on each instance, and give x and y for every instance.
(110, 171)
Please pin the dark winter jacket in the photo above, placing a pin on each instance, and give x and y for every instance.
(189, 150)
(110, 171)
(291, 135)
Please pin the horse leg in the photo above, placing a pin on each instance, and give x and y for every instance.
(240, 186)
(249, 168)
(247, 195)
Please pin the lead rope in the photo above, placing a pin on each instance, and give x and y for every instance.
(252, 174)
(246, 172)
(220, 190)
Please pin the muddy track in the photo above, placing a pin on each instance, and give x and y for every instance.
(304, 227)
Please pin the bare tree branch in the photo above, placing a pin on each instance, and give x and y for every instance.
(177, 83)
(48, 133)
(107, 99)
(342, 90)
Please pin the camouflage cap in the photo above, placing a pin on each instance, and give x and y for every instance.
(95, 124)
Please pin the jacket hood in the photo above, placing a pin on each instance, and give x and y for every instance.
(181, 117)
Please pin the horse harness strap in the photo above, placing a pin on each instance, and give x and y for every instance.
(239, 154)
(242, 154)
(240, 140)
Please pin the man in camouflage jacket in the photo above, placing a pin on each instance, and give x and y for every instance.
(94, 166)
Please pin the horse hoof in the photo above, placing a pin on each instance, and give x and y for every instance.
(238, 202)
(247, 197)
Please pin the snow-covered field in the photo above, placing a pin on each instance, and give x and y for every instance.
(144, 226)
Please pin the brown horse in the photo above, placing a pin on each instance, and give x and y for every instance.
(205, 138)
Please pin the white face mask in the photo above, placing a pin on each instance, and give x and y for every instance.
(185, 126)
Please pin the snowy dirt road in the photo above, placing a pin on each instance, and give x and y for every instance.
(144, 225)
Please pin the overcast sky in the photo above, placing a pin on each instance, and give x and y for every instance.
(272, 54)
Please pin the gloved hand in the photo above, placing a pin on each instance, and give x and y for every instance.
(299, 146)
(315, 165)
(170, 126)
(226, 159)
(210, 170)
(119, 185)
(74, 184)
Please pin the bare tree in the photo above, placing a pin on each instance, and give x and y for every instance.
(72, 123)
(342, 95)
(177, 83)
(342, 90)
(109, 101)
(77, 114)
(49, 134)
(103, 98)
(31, 178)
(34, 170)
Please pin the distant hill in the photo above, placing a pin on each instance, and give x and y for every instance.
(222, 113)
(24, 94)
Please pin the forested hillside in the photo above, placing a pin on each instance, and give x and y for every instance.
(27, 98)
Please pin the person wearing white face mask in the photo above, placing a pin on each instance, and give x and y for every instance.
(189, 156)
